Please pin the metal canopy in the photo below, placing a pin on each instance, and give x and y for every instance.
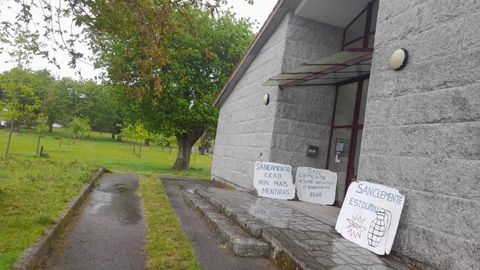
(333, 69)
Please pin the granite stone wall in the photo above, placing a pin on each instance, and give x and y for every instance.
(422, 127)
(304, 114)
(245, 124)
(296, 117)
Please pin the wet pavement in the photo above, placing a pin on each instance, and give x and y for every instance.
(299, 231)
(109, 232)
(207, 244)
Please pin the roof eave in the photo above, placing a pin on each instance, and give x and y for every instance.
(274, 19)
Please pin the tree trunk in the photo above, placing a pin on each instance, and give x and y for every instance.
(50, 122)
(185, 144)
(140, 151)
(113, 135)
(38, 143)
(7, 149)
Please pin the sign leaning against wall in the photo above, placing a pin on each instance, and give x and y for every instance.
(274, 180)
(316, 185)
(370, 215)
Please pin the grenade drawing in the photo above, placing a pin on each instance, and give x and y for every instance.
(379, 227)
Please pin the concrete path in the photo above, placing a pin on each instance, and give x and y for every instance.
(211, 254)
(110, 230)
(306, 238)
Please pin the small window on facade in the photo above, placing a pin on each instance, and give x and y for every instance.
(361, 31)
(356, 29)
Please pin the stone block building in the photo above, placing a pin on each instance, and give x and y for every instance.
(317, 77)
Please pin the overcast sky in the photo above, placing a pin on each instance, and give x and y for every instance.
(258, 12)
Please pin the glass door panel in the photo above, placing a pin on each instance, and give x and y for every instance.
(348, 125)
(338, 158)
(357, 153)
(363, 102)
(345, 104)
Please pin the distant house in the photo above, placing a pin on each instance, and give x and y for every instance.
(3, 122)
(321, 76)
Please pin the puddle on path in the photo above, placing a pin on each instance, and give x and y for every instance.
(116, 197)
(110, 230)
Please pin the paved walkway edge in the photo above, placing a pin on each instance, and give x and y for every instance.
(242, 243)
(286, 253)
(33, 255)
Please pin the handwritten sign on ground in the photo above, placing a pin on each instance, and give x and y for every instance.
(369, 216)
(316, 185)
(274, 180)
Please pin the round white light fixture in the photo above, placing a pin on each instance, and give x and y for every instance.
(399, 59)
(266, 99)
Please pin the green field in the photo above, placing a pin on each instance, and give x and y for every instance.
(101, 151)
(34, 190)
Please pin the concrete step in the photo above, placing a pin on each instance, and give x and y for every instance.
(249, 224)
(298, 242)
(242, 244)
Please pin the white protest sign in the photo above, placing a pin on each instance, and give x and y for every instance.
(369, 216)
(274, 180)
(316, 185)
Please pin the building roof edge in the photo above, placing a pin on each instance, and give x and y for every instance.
(268, 28)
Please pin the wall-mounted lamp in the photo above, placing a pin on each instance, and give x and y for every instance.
(399, 59)
(266, 99)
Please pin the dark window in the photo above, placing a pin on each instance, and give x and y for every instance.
(360, 32)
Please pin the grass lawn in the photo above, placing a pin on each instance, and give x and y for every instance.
(167, 245)
(101, 150)
(33, 192)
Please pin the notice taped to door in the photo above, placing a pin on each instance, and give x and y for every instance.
(274, 180)
(369, 216)
(316, 185)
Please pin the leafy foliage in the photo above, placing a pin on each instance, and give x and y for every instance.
(168, 58)
(43, 26)
(98, 103)
(135, 133)
(18, 97)
(19, 102)
(201, 57)
(79, 127)
(26, 95)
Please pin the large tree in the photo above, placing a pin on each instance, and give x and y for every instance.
(54, 105)
(99, 105)
(18, 103)
(168, 57)
(200, 57)
(53, 100)
(70, 23)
